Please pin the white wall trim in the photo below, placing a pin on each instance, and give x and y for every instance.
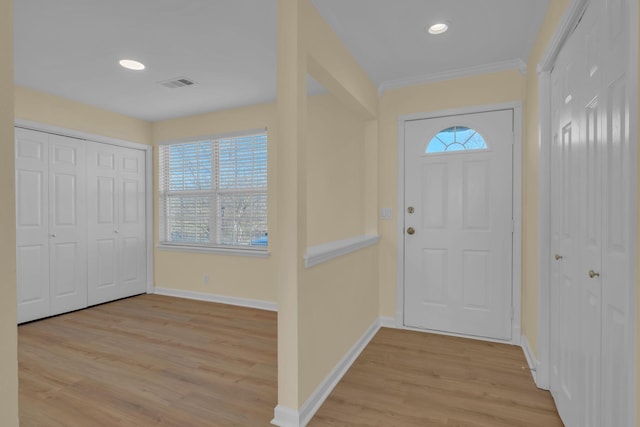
(517, 64)
(222, 299)
(531, 358)
(322, 253)
(567, 23)
(42, 127)
(544, 229)
(148, 154)
(388, 322)
(516, 206)
(256, 253)
(286, 417)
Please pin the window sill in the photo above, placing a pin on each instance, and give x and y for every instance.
(255, 253)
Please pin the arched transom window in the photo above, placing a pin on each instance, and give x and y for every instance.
(456, 138)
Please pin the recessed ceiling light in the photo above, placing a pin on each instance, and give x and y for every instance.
(132, 65)
(438, 28)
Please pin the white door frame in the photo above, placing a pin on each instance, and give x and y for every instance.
(148, 155)
(567, 24)
(517, 208)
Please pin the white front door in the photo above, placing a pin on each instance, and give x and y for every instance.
(458, 224)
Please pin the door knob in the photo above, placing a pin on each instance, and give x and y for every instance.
(54, 235)
(558, 257)
(116, 231)
(593, 274)
(410, 230)
(411, 209)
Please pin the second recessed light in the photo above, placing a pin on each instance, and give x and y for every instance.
(438, 28)
(130, 64)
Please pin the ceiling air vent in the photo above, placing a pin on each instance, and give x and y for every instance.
(177, 82)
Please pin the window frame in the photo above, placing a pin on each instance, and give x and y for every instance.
(487, 148)
(227, 249)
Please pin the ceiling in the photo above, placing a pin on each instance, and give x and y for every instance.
(71, 48)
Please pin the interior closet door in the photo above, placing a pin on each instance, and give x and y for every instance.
(618, 261)
(32, 224)
(116, 206)
(592, 339)
(567, 380)
(131, 223)
(67, 224)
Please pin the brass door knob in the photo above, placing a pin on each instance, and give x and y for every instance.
(593, 274)
(558, 257)
(410, 230)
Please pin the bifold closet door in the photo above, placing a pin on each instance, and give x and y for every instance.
(32, 224)
(67, 224)
(50, 224)
(116, 228)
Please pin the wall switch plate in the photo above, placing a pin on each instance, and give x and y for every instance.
(386, 213)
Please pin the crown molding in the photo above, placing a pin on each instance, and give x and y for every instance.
(517, 64)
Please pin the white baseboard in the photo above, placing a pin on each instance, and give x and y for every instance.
(222, 299)
(531, 358)
(388, 322)
(287, 417)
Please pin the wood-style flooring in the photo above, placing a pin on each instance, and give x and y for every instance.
(149, 361)
(159, 361)
(414, 379)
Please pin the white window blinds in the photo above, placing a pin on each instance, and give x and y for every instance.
(214, 193)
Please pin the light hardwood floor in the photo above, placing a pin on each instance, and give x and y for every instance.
(415, 379)
(147, 361)
(160, 361)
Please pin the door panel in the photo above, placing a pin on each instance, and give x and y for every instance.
(117, 233)
(131, 226)
(106, 267)
(102, 207)
(591, 330)
(67, 224)
(567, 379)
(32, 228)
(458, 262)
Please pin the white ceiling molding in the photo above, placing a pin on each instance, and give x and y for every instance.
(515, 64)
(567, 24)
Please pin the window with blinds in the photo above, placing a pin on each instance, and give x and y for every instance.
(214, 193)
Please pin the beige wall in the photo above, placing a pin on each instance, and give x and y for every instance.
(53, 110)
(235, 276)
(494, 88)
(8, 329)
(325, 309)
(336, 157)
(338, 300)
